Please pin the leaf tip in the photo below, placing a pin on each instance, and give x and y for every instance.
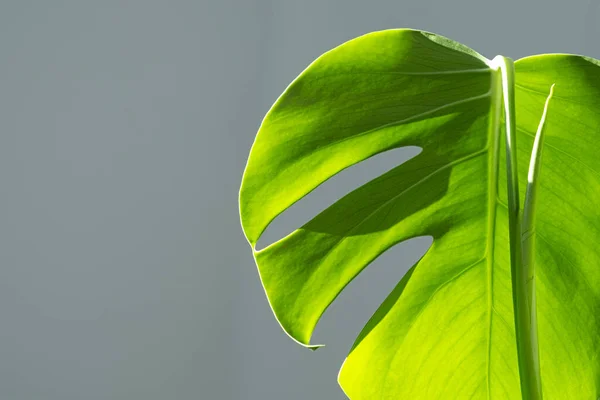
(315, 347)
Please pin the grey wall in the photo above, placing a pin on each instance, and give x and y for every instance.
(124, 130)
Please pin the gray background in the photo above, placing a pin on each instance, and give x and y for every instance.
(124, 131)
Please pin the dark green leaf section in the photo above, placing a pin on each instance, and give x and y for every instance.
(342, 109)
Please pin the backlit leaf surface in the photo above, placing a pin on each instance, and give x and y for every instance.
(447, 330)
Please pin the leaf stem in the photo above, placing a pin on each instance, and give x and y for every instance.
(528, 242)
(521, 243)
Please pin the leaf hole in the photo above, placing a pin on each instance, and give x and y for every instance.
(350, 311)
(332, 190)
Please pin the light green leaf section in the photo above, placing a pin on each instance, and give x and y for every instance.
(446, 331)
(567, 226)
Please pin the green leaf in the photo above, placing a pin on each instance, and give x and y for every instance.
(567, 217)
(447, 330)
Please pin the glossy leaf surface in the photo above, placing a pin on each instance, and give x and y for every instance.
(446, 330)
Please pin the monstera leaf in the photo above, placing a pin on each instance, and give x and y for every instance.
(447, 331)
